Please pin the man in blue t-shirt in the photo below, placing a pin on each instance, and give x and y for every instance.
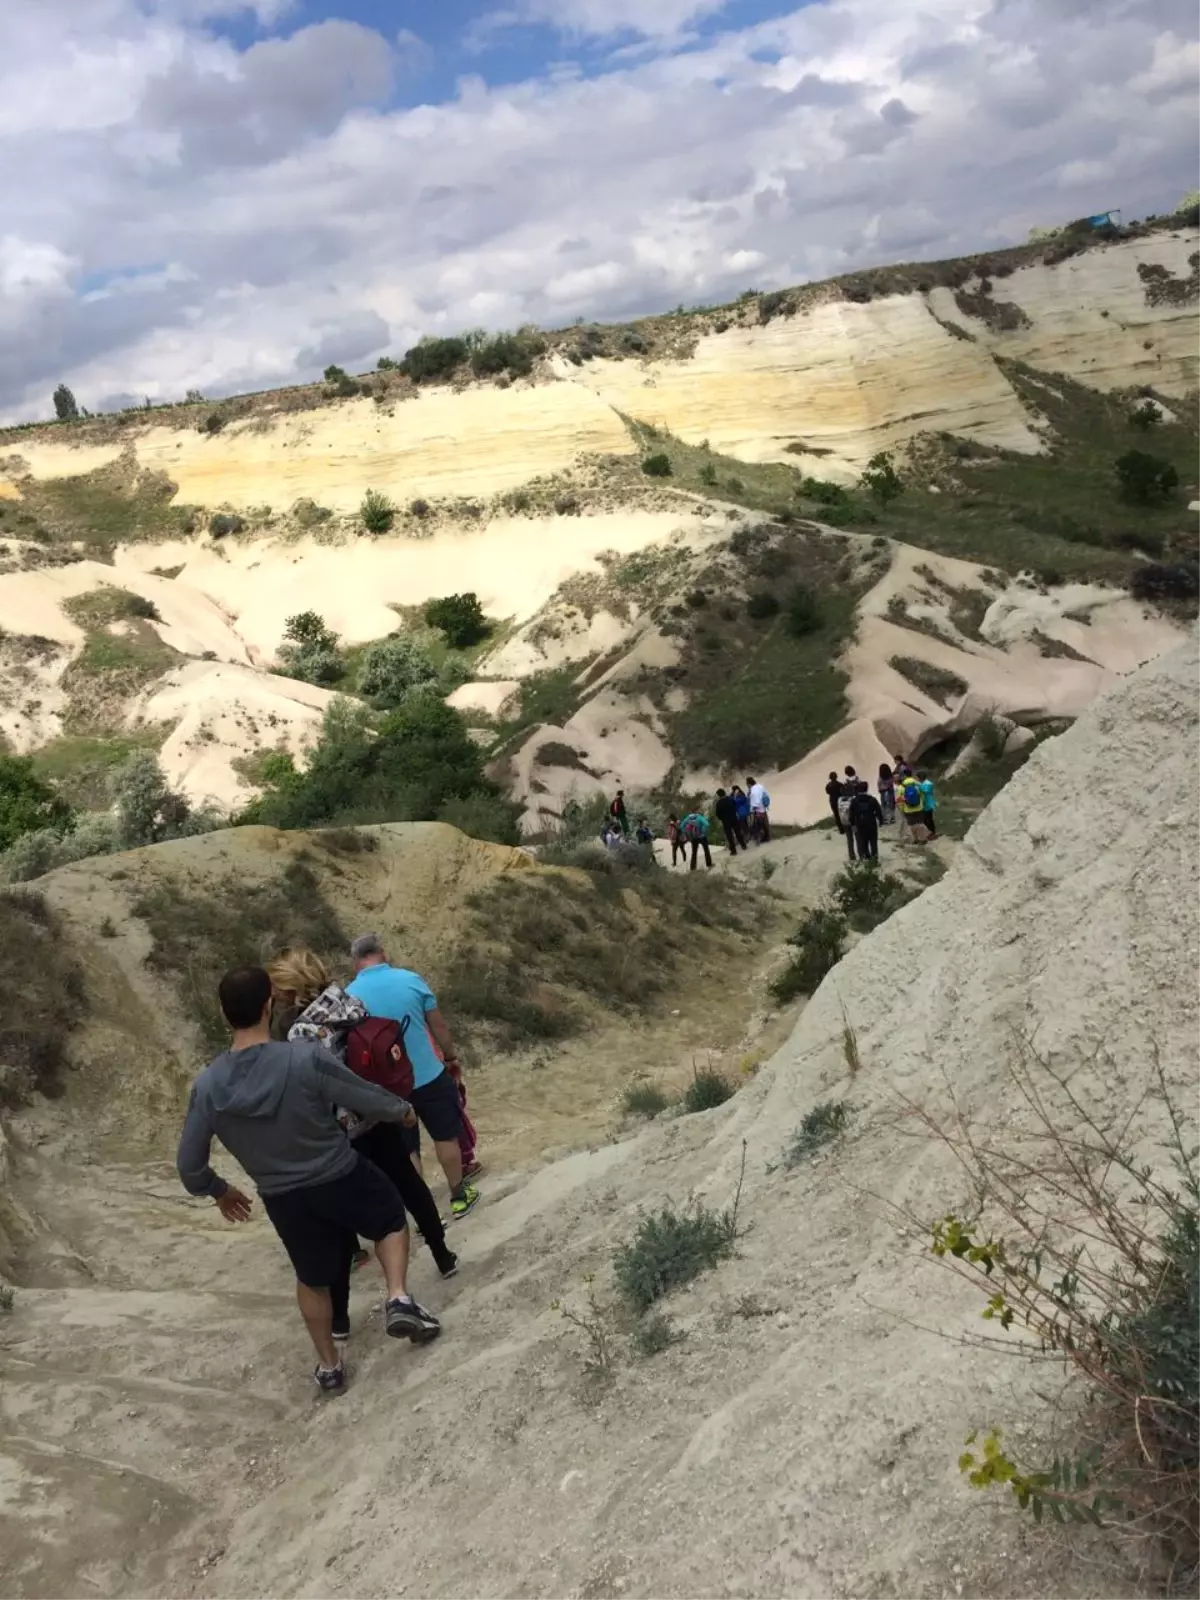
(395, 992)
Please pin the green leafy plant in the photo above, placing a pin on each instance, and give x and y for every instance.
(1066, 1490)
(309, 650)
(643, 1099)
(706, 1090)
(867, 896)
(376, 512)
(392, 668)
(762, 604)
(672, 1247)
(593, 1323)
(434, 358)
(820, 943)
(657, 466)
(460, 617)
(66, 408)
(804, 614)
(1145, 479)
(1144, 416)
(819, 1127)
(28, 804)
(225, 522)
(654, 1334)
(880, 478)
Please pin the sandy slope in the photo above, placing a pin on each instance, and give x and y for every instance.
(800, 1441)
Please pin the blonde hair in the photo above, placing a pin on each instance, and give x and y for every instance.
(299, 972)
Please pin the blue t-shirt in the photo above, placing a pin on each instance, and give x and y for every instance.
(928, 795)
(398, 993)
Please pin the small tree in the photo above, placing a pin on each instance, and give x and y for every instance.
(377, 512)
(26, 803)
(657, 466)
(310, 649)
(148, 810)
(1145, 416)
(803, 612)
(881, 479)
(65, 407)
(393, 667)
(460, 617)
(1145, 479)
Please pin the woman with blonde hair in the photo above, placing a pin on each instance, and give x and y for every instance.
(309, 1005)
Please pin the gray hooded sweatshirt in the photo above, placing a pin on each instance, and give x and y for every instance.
(272, 1107)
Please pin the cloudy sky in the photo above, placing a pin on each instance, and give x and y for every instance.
(229, 194)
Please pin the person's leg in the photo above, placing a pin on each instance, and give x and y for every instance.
(743, 836)
(931, 824)
(707, 853)
(695, 853)
(868, 845)
(766, 827)
(339, 1290)
(730, 838)
(392, 1254)
(438, 1107)
(316, 1308)
(384, 1145)
(850, 842)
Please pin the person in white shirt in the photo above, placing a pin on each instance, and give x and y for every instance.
(760, 804)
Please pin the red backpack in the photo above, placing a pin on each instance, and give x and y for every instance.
(375, 1051)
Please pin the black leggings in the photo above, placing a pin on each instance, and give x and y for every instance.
(384, 1146)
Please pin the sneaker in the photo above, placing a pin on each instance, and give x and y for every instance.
(330, 1380)
(405, 1319)
(446, 1262)
(465, 1200)
(359, 1259)
(341, 1330)
(471, 1169)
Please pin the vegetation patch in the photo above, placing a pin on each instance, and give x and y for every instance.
(116, 504)
(820, 943)
(644, 1099)
(820, 1126)
(707, 1090)
(867, 896)
(122, 653)
(938, 683)
(671, 1248)
(36, 967)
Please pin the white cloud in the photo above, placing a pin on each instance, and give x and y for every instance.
(178, 212)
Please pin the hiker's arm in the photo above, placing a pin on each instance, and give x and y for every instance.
(440, 1030)
(347, 1089)
(195, 1145)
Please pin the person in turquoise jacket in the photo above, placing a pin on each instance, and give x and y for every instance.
(694, 829)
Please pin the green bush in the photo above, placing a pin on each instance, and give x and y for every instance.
(309, 650)
(867, 896)
(654, 1334)
(669, 1249)
(513, 353)
(657, 466)
(880, 478)
(821, 1125)
(434, 358)
(1156, 582)
(820, 943)
(392, 668)
(1145, 416)
(761, 604)
(706, 1090)
(223, 523)
(460, 618)
(66, 408)
(27, 805)
(1145, 479)
(36, 966)
(804, 614)
(643, 1099)
(377, 512)
(482, 815)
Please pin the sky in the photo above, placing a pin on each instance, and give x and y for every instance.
(227, 195)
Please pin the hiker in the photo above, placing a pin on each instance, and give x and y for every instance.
(887, 793)
(760, 804)
(725, 812)
(327, 1019)
(644, 833)
(675, 838)
(271, 1106)
(694, 828)
(611, 836)
(405, 998)
(618, 813)
(902, 769)
(741, 809)
(866, 814)
(912, 805)
(833, 792)
(849, 788)
(929, 799)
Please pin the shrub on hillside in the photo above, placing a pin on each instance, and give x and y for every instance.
(434, 358)
(310, 650)
(27, 804)
(820, 1126)
(804, 615)
(1145, 479)
(393, 667)
(643, 1099)
(482, 815)
(820, 943)
(66, 408)
(706, 1090)
(1157, 582)
(657, 466)
(460, 618)
(223, 523)
(1144, 416)
(376, 512)
(513, 353)
(148, 810)
(762, 604)
(669, 1249)
(867, 896)
(880, 478)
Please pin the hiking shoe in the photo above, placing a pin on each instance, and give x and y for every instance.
(341, 1329)
(330, 1380)
(446, 1262)
(465, 1200)
(405, 1319)
(359, 1259)
(471, 1169)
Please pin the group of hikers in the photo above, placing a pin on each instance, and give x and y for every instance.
(859, 815)
(321, 1099)
(744, 815)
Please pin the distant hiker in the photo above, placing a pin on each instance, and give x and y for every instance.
(865, 816)
(675, 838)
(929, 799)
(618, 813)
(424, 1037)
(271, 1106)
(329, 1018)
(741, 808)
(901, 769)
(760, 805)
(847, 792)
(694, 828)
(644, 833)
(887, 793)
(725, 811)
(912, 804)
(610, 836)
(833, 791)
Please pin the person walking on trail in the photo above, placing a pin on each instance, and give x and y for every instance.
(329, 1015)
(643, 833)
(912, 804)
(675, 838)
(271, 1105)
(725, 812)
(887, 793)
(849, 788)
(741, 811)
(929, 803)
(833, 793)
(619, 814)
(760, 805)
(866, 814)
(695, 831)
(406, 998)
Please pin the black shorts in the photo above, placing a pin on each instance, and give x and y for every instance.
(439, 1108)
(314, 1223)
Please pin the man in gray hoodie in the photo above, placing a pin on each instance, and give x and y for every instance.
(272, 1106)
